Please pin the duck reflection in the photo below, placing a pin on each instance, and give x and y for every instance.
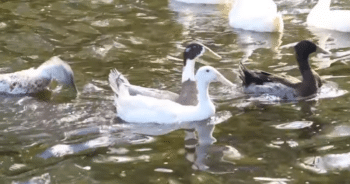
(199, 145)
(249, 41)
(327, 163)
(328, 139)
(197, 18)
(332, 40)
(204, 155)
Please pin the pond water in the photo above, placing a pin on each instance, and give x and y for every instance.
(57, 138)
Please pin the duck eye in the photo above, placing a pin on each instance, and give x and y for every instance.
(207, 70)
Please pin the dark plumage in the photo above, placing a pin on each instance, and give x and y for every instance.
(192, 51)
(310, 79)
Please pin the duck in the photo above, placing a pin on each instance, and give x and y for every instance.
(256, 15)
(35, 80)
(188, 93)
(204, 1)
(322, 17)
(146, 109)
(256, 82)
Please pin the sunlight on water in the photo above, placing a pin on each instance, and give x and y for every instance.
(57, 137)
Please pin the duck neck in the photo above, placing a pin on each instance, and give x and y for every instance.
(323, 4)
(305, 70)
(203, 93)
(188, 70)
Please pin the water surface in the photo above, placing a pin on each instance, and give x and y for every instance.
(57, 138)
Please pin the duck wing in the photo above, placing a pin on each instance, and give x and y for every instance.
(144, 109)
(116, 79)
(151, 92)
(259, 77)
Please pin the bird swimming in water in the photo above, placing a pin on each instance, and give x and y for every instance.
(322, 17)
(32, 81)
(145, 109)
(188, 93)
(256, 82)
(256, 15)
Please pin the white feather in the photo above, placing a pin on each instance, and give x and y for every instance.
(322, 17)
(35, 80)
(144, 109)
(256, 15)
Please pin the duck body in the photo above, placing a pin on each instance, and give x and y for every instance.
(23, 82)
(32, 80)
(256, 82)
(256, 15)
(145, 109)
(188, 93)
(204, 1)
(148, 110)
(322, 17)
(286, 87)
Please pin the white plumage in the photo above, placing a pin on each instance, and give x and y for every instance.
(144, 109)
(322, 17)
(256, 15)
(188, 94)
(204, 1)
(32, 80)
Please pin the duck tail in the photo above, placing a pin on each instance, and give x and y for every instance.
(118, 83)
(243, 73)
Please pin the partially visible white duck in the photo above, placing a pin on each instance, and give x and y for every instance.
(188, 93)
(256, 15)
(204, 1)
(32, 80)
(144, 109)
(322, 17)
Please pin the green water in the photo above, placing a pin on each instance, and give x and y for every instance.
(60, 139)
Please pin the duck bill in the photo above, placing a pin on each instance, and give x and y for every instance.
(223, 80)
(211, 53)
(321, 50)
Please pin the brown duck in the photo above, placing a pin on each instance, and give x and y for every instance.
(287, 87)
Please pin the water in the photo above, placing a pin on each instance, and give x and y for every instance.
(57, 138)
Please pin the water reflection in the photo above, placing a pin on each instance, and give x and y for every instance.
(198, 18)
(327, 163)
(204, 155)
(199, 142)
(250, 41)
(56, 140)
(335, 41)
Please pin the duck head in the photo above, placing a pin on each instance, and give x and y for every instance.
(192, 52)
(56, 69)
(208, 74)
(303, 49)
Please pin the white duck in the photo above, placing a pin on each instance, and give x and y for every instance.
(144, 109)
(322, 17)
(204, 1)
(32, 80)
(188, 94)
(256, 15)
